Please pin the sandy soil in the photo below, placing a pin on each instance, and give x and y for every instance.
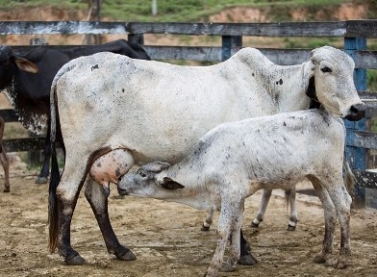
(167, 240)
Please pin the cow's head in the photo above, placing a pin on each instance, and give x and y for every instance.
(332, 70)
(9, 61)
(149, 180)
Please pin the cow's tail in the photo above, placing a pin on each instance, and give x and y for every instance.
(55, 134)
(349, 178)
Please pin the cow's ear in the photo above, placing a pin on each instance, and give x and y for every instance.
(171, 184)
(26, 65)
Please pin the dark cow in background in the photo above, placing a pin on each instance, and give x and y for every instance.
(26, 79)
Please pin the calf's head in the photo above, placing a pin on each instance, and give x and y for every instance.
(334, 86)
(149, 180)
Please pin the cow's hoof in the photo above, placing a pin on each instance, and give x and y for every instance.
(204, 228)
(6, 190)
(126, 256)
(247, 260)
(254, 225)
(41, 180)
(75, 260)
(320, 259)
(291, 228)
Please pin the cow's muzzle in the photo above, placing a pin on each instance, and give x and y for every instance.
(357, 112)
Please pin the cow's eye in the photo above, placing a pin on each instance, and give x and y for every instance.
(326, 69)
(142, 174)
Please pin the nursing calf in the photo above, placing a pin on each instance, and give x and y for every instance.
(234, 160)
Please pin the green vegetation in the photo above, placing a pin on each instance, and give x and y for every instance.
(174, 10)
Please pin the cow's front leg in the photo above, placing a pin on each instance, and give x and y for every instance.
(262, 208)
(290, 195)
(95, 195)
(330, 221)
(208, 221)
(5, 163)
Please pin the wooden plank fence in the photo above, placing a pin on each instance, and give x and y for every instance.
(354, 32)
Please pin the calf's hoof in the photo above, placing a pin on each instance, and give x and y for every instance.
(254, 224)
(6, 190)
(204, 228)
(74, 260)
(291, 228)
(227, 267)
(41, 180)
(340, 262)
(320, 258)
(247, 260)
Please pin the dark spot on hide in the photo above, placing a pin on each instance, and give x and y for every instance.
(252, 74)
(99, 164)
(94, 67)
(280, 82)
(122, 89)
(284, 124)
(117, 172)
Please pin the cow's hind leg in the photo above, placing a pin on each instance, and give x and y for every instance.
(95, 195)
(62, 202)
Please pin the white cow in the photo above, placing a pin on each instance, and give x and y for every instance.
(157, 111)
(234, 160)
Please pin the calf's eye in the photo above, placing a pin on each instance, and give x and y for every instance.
(142, 174)
(326, 69)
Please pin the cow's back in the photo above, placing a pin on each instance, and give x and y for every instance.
(136, 104)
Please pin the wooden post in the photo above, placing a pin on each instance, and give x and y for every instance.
(227, 43)
(356, 156)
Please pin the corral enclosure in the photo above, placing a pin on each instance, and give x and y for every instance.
(165, 236)
(355, 34)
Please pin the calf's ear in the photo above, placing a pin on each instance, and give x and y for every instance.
(26, 65)
(171, 184)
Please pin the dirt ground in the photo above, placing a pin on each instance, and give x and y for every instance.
(167, 240)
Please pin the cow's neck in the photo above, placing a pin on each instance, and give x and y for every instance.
(289, 89)
(34, 121)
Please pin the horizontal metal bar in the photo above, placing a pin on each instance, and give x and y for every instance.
(350, 28)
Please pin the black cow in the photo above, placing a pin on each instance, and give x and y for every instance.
(27, 78)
